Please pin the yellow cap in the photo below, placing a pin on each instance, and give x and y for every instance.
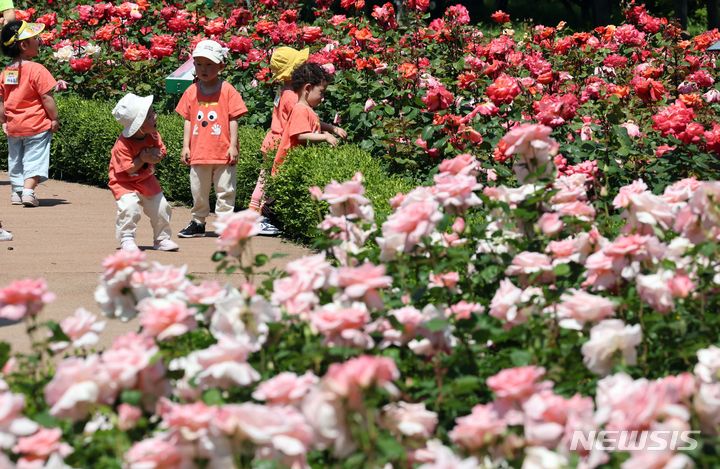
(285, 60)
(26, 31)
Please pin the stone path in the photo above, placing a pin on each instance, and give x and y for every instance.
(66, 238)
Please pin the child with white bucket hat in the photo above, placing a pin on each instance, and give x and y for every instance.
(132, 174)
(210, 108)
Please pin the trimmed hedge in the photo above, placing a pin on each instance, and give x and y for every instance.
(81, 152)
(317, 166)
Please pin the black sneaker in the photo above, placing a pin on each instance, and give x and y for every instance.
(193, 230)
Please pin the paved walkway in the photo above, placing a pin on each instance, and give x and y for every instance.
(66, 238)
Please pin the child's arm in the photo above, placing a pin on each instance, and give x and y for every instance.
(317, 137)
(48, 103)
(146, 155)
(333, 130)
(186, 142)
(3, 121)
(233, 150)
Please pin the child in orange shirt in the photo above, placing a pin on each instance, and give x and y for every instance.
(132, 174)
(210, 107)
(309, 81)
(283, 62)
(27, 111)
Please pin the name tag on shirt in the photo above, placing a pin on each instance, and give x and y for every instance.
(12, 77)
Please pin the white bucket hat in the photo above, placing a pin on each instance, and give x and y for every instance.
(131, 111)
(211, 50)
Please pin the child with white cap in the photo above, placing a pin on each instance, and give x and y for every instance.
(132, 174)
(28, 112)
(210, 107)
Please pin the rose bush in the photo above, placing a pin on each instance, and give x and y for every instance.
(637, 100)
(470, 328)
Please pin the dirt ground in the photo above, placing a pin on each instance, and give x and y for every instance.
(65, 239)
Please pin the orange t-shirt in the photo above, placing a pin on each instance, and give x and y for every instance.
(210, 118)
(22, 85)
(122, 155)
(280, 115)
(302, 120)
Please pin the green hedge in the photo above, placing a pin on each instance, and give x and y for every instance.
(81, 152)
(317, 166)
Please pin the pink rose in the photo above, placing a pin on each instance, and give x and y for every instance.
(128, 415)
(342, 325)
(707, 406)
(23, 298)
(82, 328)
(550, 224)
(464, 310)
(206, 293)
(282, 431)
(363, 282)
(447, 280)
(159, 281)
(369, 104)
(462, 164)
(416, 218)
(347, 199)
(516, 383)
(527, 263)
(623, 197)
(155, 453)
(456, 192)
(234, 229)
(409, 420)
(579, 307)
(311, 271)
(12, 422)
(40, 446)
(632, 129)
(128, 356)
(654, 289)
(193, 420)
(481, 428)
(164, 318)
(315, 192)
(512, 305)
(607, 338)
(222, 365)
(78, 386)
(348, 379)
(285, 388)
(708, 366)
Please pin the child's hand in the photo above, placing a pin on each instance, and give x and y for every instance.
(339, 131)
(4, 128)
(232, 155)
(185, 156)
(54, 126)
(332, 141)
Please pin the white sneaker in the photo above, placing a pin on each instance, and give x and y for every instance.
(15, 198)
(30, 200)
(267, 228)
(129, 245)
(5, 235)
(166, 245)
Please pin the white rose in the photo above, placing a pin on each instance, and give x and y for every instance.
(64, 54)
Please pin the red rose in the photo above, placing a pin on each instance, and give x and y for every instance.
(503, 90)
(215, 27)
(311, 33)
(437, 98)
(162, 45)
(49, 20)
(348, 4)
(239, 44)
(135, 53)
(81, 65)
(408, 71)
(500, 17)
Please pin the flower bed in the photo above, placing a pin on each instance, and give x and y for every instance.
(478, 325)
(627, 101)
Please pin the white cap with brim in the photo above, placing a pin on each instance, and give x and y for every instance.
(131, 111)
(211, 50)
(26, 31)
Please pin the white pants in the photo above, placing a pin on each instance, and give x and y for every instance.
(130, 208)
(224, 178)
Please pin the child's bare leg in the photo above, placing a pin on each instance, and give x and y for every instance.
(31, 183)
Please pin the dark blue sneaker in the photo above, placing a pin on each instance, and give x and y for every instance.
(193, 230)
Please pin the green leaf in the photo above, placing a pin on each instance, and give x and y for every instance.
(46, 420)
(520, 357)
(131, 397)
(261, 260)
(390, 447)
(436, 324)
(213, 397)
(57, 333)
(466, 384)
(218, 256)
(562, 270)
